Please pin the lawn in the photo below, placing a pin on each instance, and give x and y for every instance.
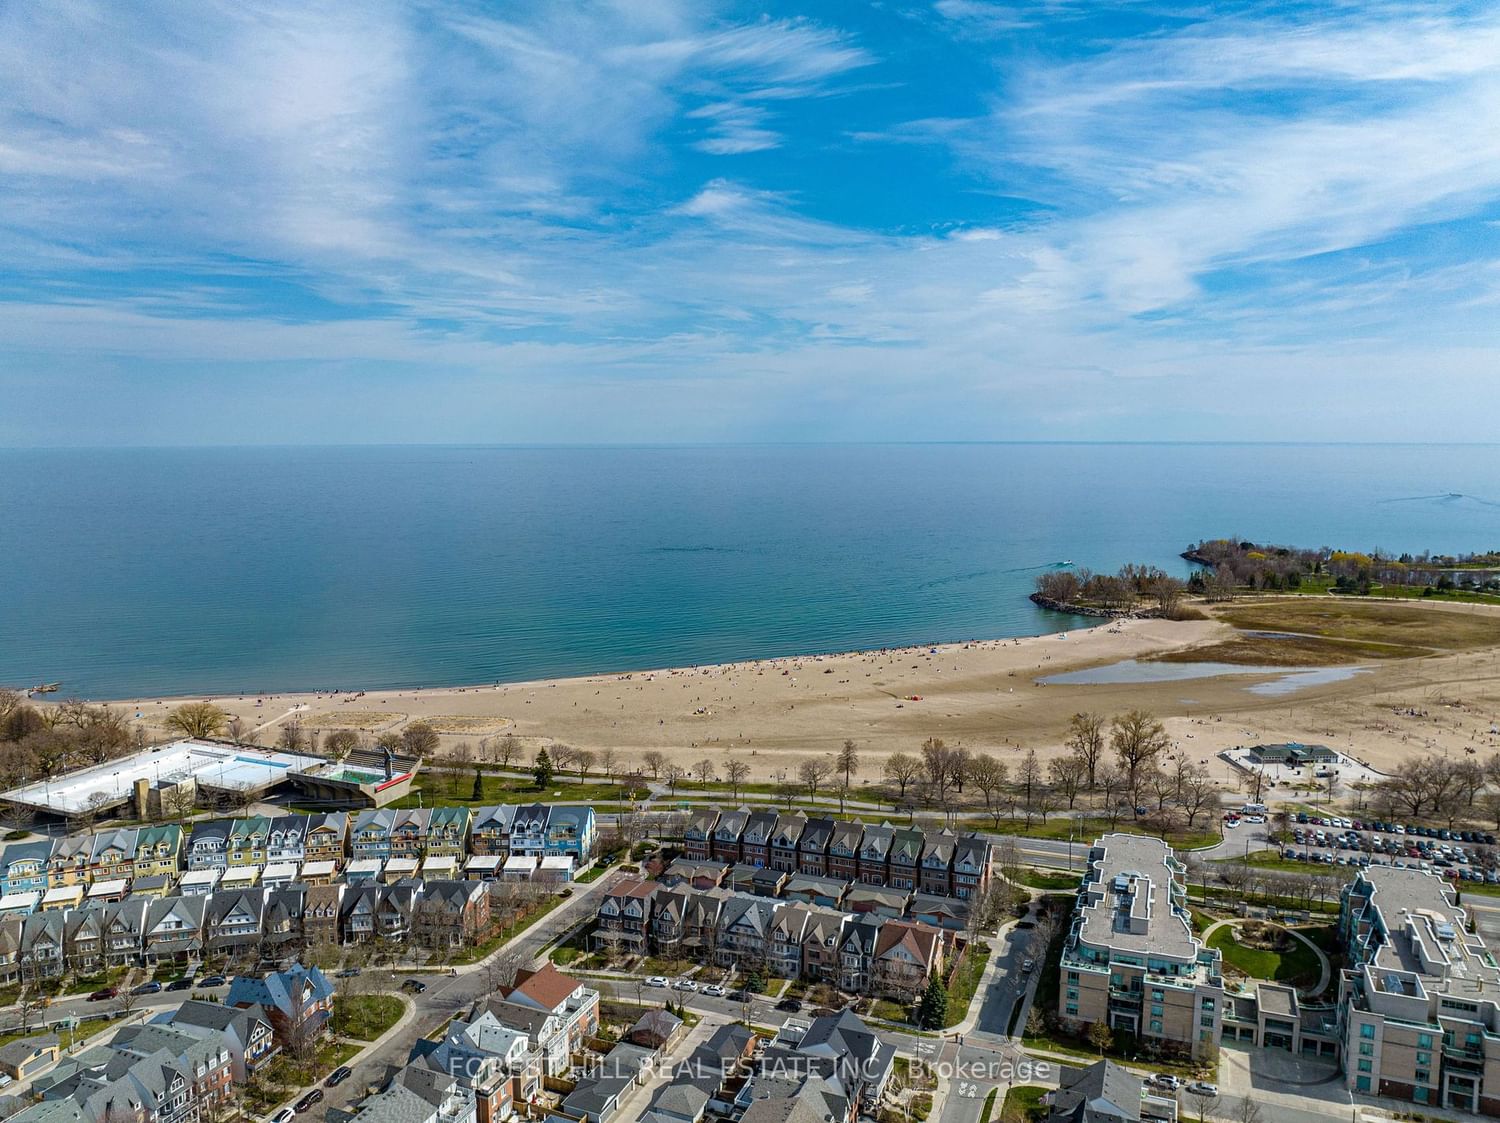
(1085, 831)
(365, 1017)
(1037, 879)
(1024, 1102)
(456, 789)
(1297, 966)
(1370, 622)
(962, 985)
(593, 873)
(477, 952)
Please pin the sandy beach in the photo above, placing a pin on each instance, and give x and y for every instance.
(984, 695)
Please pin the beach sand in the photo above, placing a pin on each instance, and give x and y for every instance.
(984, 695)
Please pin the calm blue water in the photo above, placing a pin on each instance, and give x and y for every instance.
(187, 571)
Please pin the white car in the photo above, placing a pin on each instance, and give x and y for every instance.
(285, 1115)
(1167, 1080)
(684, 984)
(1231, 823)
(1202, 1088)
(656, 981)
(714, 990)
(1255, 818)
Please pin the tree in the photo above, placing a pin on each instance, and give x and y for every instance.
(609, 761)
(932, 1011)
(340, 743)
(902, 769)
(1200, 791)
(506, 750)
(704, 770)
(1245, 1110)
(1086, 741)
(1029, 782)
(583, 760)
(291, 737)
(1111, 782)
(419, 739)
(478, 792)
(542, 769)
(655, 761)
(937, 762)
(1100, 1036)
(1067, 775)
(1137, 739)
(736, 772)
(847, 762)
(812, 772)
(197, 719)
(1253, 783)
(674, 775)
(1204, 1100)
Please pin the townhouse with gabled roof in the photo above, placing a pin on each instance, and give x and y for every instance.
(972, 856)
(489, 833)
(298, 1001)
(905, 858)
(282, 933)
(784, 839)
(232, 921)
(246, 845)
(409, 832)
(856, 951)
(843, 850)
(327, 838)
(905, 957)
(451, 914)
(286, 839)
(820, 945)
(784, 940)
(158, 850)
(174, 929)
(208, 845)
(570, 832)
(24, 867)
(743, 931)
(112, 854)
(546, 990)
(69, 861)
(246, 1032)
(755, 839)
(812, 847)
(370, 837)
(936, 868)
(320, 914)
(528, 830)
(83, 947)
(875, 854)
(697, 836)
(625, 916)
(123, 931)
(447, 832)
(728, 828)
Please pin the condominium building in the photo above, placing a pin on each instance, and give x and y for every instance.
(1131, 959)
(1419, 1002)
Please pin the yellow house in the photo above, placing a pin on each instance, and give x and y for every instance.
(157, 850)
(327, 838)
(248, 839)
(112, 855)
(69, 862)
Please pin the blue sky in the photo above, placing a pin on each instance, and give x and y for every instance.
(660, 221)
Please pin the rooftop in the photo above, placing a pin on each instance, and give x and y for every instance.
(1128, 903)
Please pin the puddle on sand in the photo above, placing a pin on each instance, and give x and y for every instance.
(1289, 679)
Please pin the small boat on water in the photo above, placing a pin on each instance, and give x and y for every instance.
(47, 688)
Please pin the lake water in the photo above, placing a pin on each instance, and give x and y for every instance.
(197, 570)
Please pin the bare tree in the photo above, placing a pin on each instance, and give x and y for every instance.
(583, 760)
(1200, 791)
(812, 772)
(674, 775)
(937, 762)
(340, 743)
(1253, 783)
(507, 750)
(736, 772)
(291, 737)
(197, 719)
(902, 769)
(609, 761)
(1086, 742)
(990, 777)
(1029, 783)
(704, 770)
(1137, 739)
(419, 739)
(1067, 775)
(655, 761)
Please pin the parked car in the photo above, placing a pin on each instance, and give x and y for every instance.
(338, 1076)
(790, 1005)
(1028, 965)
(714, 990)
(152, 987)
(1202, 1088)
(416, 986)
(181, 984)
(349, 973)
(104, 993)
(308, 1100)
(285, 1115)
(213, 981)
(1167, 1080)
(657, 981)
(738, 996)
(684, 984)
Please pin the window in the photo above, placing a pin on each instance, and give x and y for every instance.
(1419, 1095)
(1424, 1058)
(1207, 1021)
(1423, 1076)
(1362, 1083)
(1072, 1010)
(1424, 1041)
(1367, 1031)
(1156, 1011)
(1364, 1066)
(1072, 976)
(1155, 1027)
(1366, 1049)
(1072, 995)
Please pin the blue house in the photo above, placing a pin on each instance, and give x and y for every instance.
(570, 832)
(23, 867)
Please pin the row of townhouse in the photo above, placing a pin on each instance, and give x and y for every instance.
(861, 953)
(254, 841)
(273, 924)
(943, 862)
(828, 1069)
(83, 859)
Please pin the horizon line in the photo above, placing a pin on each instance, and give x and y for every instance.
(644, 445)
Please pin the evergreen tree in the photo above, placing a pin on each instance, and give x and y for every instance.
(932, 1011)
(543, 769)
(478, 786)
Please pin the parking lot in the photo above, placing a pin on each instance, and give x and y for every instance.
(1459, 855)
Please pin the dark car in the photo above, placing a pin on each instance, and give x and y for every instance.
(181, 984)
(104, 993)
(213, 981)
(790, 1005)
(153, 987)
(416, 986)
(738, 996)
(308, 1100)
(349, 973)
(338, 1076)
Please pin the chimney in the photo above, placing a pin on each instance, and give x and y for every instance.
(142, 786)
